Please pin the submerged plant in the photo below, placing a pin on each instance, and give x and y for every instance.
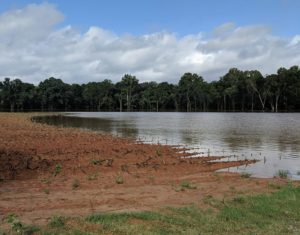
(283, 174)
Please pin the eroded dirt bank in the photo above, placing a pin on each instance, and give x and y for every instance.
(47, 170)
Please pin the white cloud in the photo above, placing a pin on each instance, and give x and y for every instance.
(33, 48)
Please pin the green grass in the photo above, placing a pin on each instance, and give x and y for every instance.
(187, 185)
(17, 227)
(276, 213)
(57, 221)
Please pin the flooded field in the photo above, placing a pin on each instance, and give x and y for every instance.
(274, 139)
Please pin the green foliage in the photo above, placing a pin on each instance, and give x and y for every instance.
(187, 185)
(18, 227)
(57, 221)
(237, 90)
(57, 170)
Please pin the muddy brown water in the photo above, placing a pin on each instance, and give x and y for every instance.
(274, 139)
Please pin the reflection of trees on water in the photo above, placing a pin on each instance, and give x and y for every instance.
(126, 129)
(190, 137)
(283, 142)
(235, 141)
(122, 128)
(94, 124)
(289, 143)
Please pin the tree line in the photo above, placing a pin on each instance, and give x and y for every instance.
(237, 90)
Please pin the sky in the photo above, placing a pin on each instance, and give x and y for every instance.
(155, 40)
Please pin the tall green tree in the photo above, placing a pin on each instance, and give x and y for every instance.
(128, 86)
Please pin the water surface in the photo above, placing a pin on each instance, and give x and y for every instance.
(274, 139)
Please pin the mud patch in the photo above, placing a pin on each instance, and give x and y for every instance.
(16, 165)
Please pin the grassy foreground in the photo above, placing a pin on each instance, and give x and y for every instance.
(276, 213)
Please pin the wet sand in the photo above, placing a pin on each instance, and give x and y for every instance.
(47, 170)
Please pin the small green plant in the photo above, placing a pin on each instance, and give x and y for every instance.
(46, 190)
(93, 176)
(218, 176)
(232, 188)
(57, 169)
(96, 162)
(11, 218)
(274, 186)
(15, 223)
(46, 181)
(57, 221)
(158, 152)
(151, 178)
(30, 229)
(187, 185)
(283, 174)
(75, 184)
(239, 199)
(119, 179)
(246, 175)
(211, 201)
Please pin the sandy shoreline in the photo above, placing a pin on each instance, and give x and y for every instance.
(46, 170)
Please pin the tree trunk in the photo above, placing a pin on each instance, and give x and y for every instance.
(252, 102)
(120, 100)
(128, 103)
(12, 107)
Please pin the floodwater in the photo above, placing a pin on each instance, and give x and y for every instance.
(272, 138)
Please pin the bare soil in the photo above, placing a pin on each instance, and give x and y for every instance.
(47, 170)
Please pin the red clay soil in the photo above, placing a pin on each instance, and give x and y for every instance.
(46, 170)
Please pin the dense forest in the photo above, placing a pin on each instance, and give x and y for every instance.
(235, 91)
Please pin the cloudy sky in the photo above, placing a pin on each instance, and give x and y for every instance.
(156, 40)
